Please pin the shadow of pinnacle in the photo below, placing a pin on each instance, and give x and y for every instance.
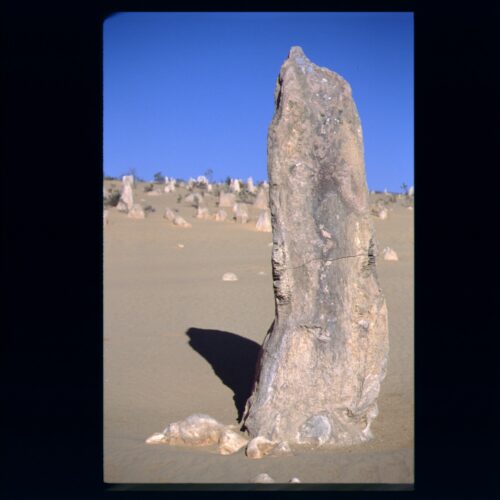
(233, 359)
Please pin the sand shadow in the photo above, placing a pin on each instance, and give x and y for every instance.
(233, 359)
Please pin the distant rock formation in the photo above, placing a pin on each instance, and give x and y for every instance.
(127, 196)
(264, 222)
(262, 200)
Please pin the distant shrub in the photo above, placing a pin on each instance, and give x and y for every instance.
(148, 188)
(149, 209)
(159, 178)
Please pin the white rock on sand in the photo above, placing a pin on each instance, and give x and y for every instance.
(196, 430)
(229, 277)
(169, 214)
(383, 214)
(295, 480)
(259, 447)
(389, 254)
(181, 222)
(230, 442)
(263, 478)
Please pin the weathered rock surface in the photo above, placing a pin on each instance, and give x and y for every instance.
(323, 359)
(196, 430)
(264, 222)
(230, 442)
(136, 212)
(259, 447)
(127, 196)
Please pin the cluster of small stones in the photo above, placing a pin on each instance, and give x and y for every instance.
(175, 219)
(234, 197)
(202, 430)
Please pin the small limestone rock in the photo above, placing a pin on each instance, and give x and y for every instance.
(221, 215)
(410, 208)
(230, 442)
(169, 214)
(136, 212)
(264, 222)
(259, 447)
(196, 430)
(382, 214)
(180, 245)
(229, 277)
(156, 438)
(202, 213)
(389, 254)
(261, 273)
(263, 478)
(295, 480)
(181, 222)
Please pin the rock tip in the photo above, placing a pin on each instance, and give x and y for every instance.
(296, 50)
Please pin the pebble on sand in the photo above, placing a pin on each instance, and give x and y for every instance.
(295, 480)
(389, 254)
(229, 277)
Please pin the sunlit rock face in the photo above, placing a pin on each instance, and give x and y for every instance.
(324, 357)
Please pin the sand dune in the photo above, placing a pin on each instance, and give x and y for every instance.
(179, 340)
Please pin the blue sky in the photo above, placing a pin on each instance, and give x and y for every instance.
(188, 92)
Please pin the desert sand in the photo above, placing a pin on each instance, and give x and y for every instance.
(179, 340)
